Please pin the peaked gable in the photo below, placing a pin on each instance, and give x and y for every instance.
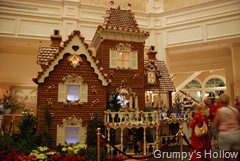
(49, 57)
(120, 25)
(118, 18)
(164, 79)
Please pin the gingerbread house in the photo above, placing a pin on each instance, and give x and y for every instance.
(77, 81)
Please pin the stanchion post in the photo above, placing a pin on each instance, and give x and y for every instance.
(13, 123)
(98, 143)
(1, 129)
(180, 132)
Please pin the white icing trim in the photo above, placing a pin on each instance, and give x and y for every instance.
(68, 49)
(117, 35)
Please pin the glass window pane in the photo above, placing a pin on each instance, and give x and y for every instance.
(72, 134)
(72, 97)
(193, 84)
(123, 59)
(197, 95)
(73, 88)
(214, 82)
(151, 77)
(73, 92)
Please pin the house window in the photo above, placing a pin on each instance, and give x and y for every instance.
(214, 88)
(73, 92)
(72, 134)
(123, 57)
(123, 100)
(211, 87)
(72, 89)
(151, 77)
(123, 60)
(71, 130)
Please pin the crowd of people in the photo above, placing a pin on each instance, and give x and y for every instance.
(224, 128)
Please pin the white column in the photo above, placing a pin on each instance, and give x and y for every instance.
(136, 101)
(108, 137)
(157, 133)
(121, 139)
(131, 102)
(159, 99)
(144, 141)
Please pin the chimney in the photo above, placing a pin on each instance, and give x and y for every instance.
(152, 54)
(56, 39)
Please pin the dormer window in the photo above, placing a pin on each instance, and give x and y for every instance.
(123, 57)
(151, 77)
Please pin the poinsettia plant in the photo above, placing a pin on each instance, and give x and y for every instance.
(9, 101)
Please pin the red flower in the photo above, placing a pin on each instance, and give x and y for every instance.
(99, 27)
(90, 52)
(77, 100)
(69, 37)
(56, 157)
(86, 45)
(82, 38)
(102, 143)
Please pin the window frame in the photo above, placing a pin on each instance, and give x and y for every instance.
(203, 90)
(73, 93)
(77, 135)
(153, 77)
(114, 57)
(71, 121)
(63, 90)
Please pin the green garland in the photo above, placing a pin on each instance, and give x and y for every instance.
(48, 119)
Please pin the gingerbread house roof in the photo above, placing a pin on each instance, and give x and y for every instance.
(165, 81)
(45, 54)
(123, 23)
(117, 18)
(48, 57)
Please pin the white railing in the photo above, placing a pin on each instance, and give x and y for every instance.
(131, 117)
(151, 147)
(139, 118)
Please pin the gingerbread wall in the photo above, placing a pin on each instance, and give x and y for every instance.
(61, 111)
(118, 75)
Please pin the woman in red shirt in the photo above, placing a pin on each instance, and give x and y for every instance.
(201, 144)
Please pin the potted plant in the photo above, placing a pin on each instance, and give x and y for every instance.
(9, 102)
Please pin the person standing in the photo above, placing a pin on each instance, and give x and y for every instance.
(212, 106)
(201, 144)
(227, 123)
(237, 102)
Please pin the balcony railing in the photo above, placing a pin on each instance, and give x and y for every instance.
(139, 118)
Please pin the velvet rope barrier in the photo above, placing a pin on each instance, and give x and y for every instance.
(132, 157)
(189, 144)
